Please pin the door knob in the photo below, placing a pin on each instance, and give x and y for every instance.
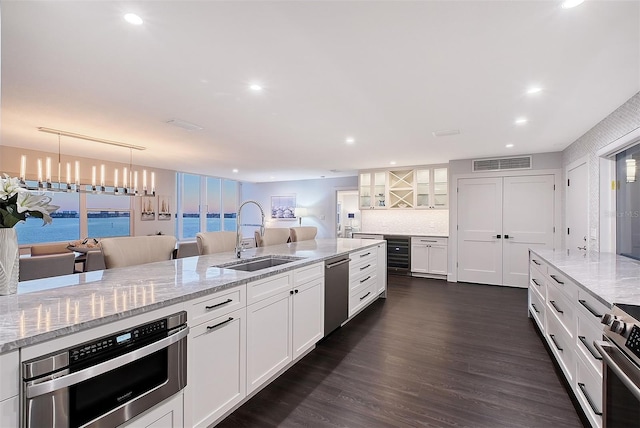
(497, 236)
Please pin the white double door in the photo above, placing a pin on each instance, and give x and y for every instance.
(499, 219)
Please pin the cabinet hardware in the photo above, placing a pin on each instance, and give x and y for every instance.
(341, 262)
(509, 237)
(553, 339)
(364, 267)
(211, 327)
(536, 262)
(591, 351)
(583, 248)
(556, 279)
(296, 291)
(364, 255)
(533, 305)
(497, 236)
(366, 279)
(590, 309)
(553, 303)
(218, 304)
(584, 392)
(365, 296)
(291, 292)
(535, 282)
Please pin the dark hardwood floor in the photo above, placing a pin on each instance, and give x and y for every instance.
(432, 354)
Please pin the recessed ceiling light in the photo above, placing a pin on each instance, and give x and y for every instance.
(521, 121)
(234, 170)
(132, 18)
(255, 87)
(392, 163)
(568, 4)
(445, 132)
(350, 140)
(534, 90)
(508, 146)
(184, 124)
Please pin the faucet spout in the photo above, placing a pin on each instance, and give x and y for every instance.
(239, 222)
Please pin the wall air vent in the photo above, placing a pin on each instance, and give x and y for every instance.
(499, 164)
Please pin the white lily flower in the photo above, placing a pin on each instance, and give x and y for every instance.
(9, 187)
(40, 203)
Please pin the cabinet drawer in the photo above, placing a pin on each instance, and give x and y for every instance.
(562, 282)
(427, 240)
(537, 262)
(562, 346)
(562, 308)
(586, 334)
(537, 282)
(264, 288)
(217, 304)
(360, 298)
(588, 388)
(591, 308)
(9, 377)
(362, 281)
(537, 309)
(308, 273)
(362, 258)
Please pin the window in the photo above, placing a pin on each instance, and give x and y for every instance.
(65, 225)
(230, 204)
(213, 205)
(628, 203)
(108, 215)
(190, 205)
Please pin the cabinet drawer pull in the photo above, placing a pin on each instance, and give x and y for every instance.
(590, 309)
(558, 310)
(364, 255)
(219, 304)
(365, 296)
(535, 282)
(584, 392)
(533, 305)
(553, 339)
(591, 351)
(556, 279)
(364, 267)
(366, 279)
(211, 327)
(426, 240)
(536, 262)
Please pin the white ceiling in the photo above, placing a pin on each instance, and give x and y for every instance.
(387, 73)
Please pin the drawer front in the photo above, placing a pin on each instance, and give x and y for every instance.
(537, 282)
(587, 333)
(562, 346)
(360, 298)
(217, 304)
(308, 273)
(537, 309)
(588, 388)
(562, 308)
(537, 262)
(427, 240)
(562, 282)
(362, 282)
(362, 258)
(368, 269)
(591, 308)
(264, 288)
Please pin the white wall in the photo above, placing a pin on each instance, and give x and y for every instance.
(317, 196)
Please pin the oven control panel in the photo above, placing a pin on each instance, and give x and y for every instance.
(111, 342)
(633, 341)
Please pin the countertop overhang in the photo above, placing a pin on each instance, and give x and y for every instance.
(48, 308)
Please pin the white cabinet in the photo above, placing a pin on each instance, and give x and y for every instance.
(168, 414)
(9, 412)
(363, 279)
(308, 308)
(432, 189)
(217, 369)
(382, 269)
(372, 189)
(429, 256)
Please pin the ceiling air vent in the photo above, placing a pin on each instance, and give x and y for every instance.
(521, 162)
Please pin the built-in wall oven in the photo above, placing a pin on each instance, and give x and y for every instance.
(620, 352)
(107, 381)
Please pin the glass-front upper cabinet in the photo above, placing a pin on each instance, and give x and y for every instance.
(432, 188)
(372, 190)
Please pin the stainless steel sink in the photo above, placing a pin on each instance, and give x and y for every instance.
(253, 265)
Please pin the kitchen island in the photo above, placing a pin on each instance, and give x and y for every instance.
(58, 313)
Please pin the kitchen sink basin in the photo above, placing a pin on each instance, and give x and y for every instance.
(253, 265)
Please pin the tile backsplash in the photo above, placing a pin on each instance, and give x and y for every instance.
(419, 222)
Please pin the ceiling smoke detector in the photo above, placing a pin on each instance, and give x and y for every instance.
(446, 132)
(184, 125)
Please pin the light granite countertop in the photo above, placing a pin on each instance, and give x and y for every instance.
(419, 235)
(608, 277)
(48, 308)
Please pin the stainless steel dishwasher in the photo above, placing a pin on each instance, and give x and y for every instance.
(336, 292)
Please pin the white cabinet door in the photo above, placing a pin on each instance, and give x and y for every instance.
(217, 367)
(479, 224)
(438, 259)
(168, 414)
(382, 269)
(268, 338)
(419, 258)
(308, 316)
(9, 412)
(527, 222)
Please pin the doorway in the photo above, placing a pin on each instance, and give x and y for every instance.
(577, 208)
(347, 213)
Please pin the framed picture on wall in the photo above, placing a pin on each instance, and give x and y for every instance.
(148, 208)
(164, 210)
(283, 207)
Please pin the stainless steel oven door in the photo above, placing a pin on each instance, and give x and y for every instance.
(621, 388)
(111, 392)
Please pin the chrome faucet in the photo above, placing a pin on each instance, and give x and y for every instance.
(238, 223)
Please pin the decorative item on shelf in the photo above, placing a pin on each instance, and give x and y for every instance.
(129, 176)
(16, 204)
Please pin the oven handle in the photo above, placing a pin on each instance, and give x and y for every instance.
(77, 377)
(600, 345)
